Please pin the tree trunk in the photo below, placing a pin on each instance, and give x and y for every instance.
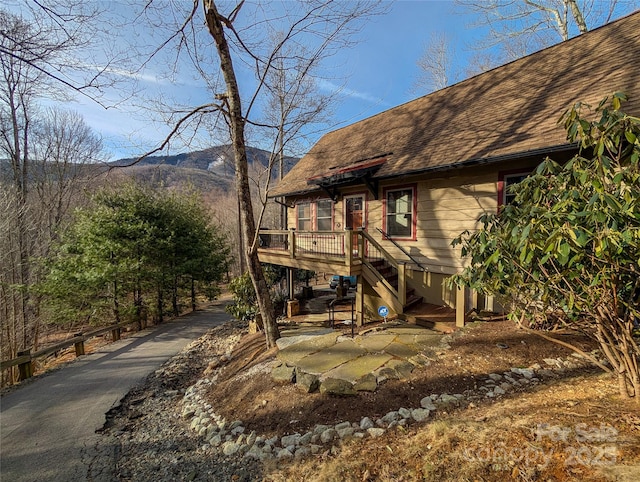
(615, 337)
(237, 123)
(116, 304)
(174, 297)
(577, 16)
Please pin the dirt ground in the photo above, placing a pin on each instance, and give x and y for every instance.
(577, 429)
(271, 408)
(572, 428)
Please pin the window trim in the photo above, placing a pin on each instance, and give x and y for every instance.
(332, 215)
(313, 214)
(414, 211)
(505, 175)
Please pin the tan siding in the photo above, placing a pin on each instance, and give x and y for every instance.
(446, 208)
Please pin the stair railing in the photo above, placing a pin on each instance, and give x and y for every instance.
(376, 252)
(415, 261)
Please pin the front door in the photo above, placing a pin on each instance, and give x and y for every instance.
(355, 216)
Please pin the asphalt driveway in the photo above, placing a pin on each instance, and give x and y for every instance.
(48, 426)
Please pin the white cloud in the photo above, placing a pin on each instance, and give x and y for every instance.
(345, 91)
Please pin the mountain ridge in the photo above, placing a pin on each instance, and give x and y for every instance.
(217, 162)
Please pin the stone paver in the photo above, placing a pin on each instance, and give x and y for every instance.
(401, 350)
(305, 346)
(427, 340)
(357, 368)
(402, 367)
(331, 357)
(375, 342)
(406, 339)
(291, 337)
(328, 355)
(316, 317)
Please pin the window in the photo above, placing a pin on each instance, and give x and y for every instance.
(315, 216)
(304, 216)
(400, 213)
(505, 182)
(324, 215)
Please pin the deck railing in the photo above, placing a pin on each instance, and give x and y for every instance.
(310, 244)
(346, 247)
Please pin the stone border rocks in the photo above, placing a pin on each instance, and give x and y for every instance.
(230, 437)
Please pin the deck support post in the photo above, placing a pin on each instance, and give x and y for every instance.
(489, 303)
(290, 284)
(292, 244)
(402, 283)
(360, 301)
(460, 306)
(474, 301)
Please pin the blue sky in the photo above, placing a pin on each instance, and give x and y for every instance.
(376, 74)
(384, 66)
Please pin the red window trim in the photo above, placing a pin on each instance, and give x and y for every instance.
(414, 213)
(501, 176)
(313, 213)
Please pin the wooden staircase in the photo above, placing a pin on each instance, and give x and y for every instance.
(434, 317)
(383, 274)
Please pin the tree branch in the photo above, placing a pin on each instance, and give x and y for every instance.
(203, 109)
(571, 347)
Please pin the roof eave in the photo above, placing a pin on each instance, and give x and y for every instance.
(454, 166)
(485, 160)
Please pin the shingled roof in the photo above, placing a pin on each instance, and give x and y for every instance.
(507, 112)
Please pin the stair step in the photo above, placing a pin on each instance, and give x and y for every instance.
(385, 269)
(443, 326)
(412, 300)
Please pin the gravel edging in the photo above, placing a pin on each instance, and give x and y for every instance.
(220, 436)
(150, 439)
(164, 430)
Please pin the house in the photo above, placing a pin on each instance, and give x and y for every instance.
(383, 198)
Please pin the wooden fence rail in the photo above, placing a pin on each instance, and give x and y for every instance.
(25, 358)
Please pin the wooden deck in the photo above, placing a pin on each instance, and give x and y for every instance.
(329, 251)
(356, 253)
(435, 317)
(313, 261)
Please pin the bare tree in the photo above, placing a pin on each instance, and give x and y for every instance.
(65, 145)
(18, 91)
(435, 65)
(44, 152)
(521, 27)
(54, 40)
(318, 25)
(515, 28)
(235, 115)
